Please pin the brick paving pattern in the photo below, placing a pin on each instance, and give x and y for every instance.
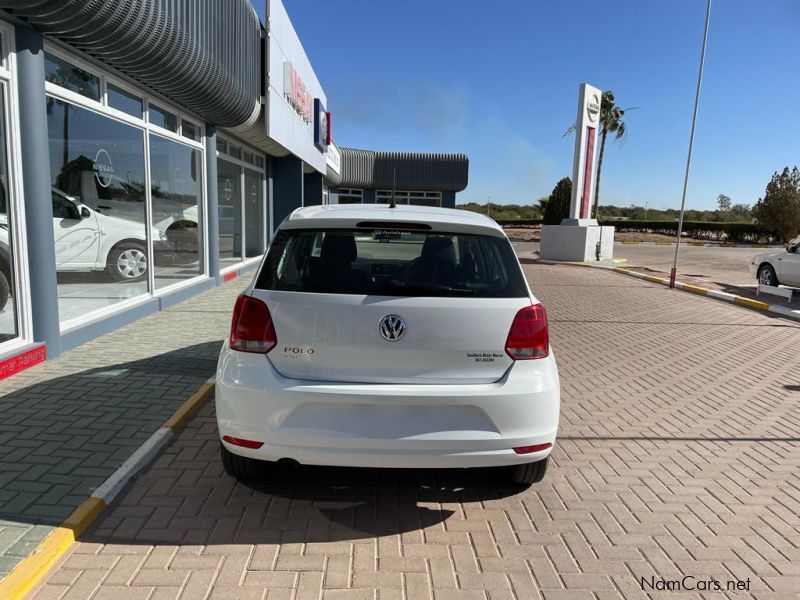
(679, 454)
(69, 423)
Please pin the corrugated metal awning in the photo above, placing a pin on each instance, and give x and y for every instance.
(203, 54)
(415, 171)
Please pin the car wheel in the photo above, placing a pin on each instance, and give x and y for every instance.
(4, 290)
(767, 275)
(530, 473)
(127, 262)
(237, 466)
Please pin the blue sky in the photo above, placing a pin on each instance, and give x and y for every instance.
(498, 81)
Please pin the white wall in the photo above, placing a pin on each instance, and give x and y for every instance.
(283, 124)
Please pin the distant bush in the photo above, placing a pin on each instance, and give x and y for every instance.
(731, 232)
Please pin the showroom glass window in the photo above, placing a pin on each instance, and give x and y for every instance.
(9, 301)
(254, 207)
(176, 190)
(241, 181)
(229, 193)
(71, 77)
(98, 196)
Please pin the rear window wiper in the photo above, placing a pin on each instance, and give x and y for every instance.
(429, 287)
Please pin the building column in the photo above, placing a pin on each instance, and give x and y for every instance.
(448, 199)
(36, 182)
(312, 189)
(286, 190)
(212, 218)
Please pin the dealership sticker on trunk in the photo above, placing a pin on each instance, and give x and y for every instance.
(484, 357)
(298, 352)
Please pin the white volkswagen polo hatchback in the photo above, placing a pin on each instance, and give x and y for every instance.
(388, 337)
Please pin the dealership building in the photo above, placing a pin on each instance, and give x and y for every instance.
(148, 151)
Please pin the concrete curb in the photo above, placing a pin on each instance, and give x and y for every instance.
(783, 311)
(704, 244)
(27, 574)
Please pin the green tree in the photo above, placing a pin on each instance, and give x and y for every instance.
(724, 204)
(779, 209)
(555, 208)
(610, 122)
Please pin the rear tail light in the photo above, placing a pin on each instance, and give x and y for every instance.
(251, 327)
(532, 449)
(529, 336)
(242, 442)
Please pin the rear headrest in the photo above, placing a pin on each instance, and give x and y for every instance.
(439, 248)
(339, 247)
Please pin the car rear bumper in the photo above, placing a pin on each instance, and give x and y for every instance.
(386, 425)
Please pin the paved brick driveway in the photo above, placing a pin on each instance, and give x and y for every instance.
(679, 455)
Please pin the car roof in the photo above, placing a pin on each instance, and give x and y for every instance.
(348, 216)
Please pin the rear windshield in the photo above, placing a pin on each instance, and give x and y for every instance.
(379, 262)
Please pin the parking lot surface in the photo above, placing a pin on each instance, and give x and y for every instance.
(678, 455)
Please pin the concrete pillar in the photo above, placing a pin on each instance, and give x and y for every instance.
(36, 181)
(312, 189)
(212, 218)
(287, 187)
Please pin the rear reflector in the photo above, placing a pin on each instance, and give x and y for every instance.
(252, 329)
(242, 443)
(529, 336)
(532, 449)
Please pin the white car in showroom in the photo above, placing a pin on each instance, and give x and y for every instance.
(374, 336)
(778, 268)
(87, 240)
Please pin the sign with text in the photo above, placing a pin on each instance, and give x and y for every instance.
(296, 92)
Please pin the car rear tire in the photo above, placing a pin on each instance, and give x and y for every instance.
(767, 275)
(127, 262)
(530, 473)
(5, 290)
(237, 466)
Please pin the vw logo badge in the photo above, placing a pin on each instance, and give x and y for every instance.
(392, 327)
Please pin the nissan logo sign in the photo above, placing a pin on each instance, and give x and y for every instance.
(593, 108)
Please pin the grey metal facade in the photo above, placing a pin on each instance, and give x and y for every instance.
(203, 54)
(414, 171)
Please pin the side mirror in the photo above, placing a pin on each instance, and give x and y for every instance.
(85, 214)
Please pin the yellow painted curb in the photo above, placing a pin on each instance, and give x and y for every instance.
(751, 303)
(188, 408)
(694, 289)
(27, 574)
(621, 270)
(653, 279)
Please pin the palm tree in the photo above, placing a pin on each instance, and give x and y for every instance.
(610, 122)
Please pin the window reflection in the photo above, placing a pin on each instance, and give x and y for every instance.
(229, 194)
(8, 295)
(163, 118)
(254, 213)
(75, 79)
(176, 177)
(98, 197)
(124, 101)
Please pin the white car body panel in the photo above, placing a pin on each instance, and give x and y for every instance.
(444, 395)
(785, 263)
